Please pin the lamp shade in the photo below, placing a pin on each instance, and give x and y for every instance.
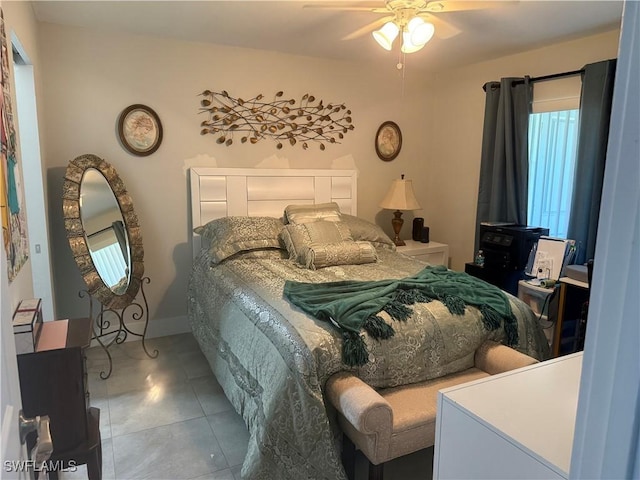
(407, 44)
(400, 196)
(416, 35)
(386, 35)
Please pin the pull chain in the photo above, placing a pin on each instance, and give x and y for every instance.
(401, 66)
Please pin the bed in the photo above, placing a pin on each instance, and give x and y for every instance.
(270, 357)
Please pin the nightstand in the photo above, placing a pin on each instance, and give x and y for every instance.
(543, 303)
(433, 252)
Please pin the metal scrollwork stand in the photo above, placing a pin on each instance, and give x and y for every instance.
(117, 330)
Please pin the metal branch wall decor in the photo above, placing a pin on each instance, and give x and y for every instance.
(281, 120)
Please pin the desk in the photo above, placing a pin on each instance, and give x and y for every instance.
(573, 303)
(543, 303)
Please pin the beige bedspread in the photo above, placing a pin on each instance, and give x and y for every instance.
(272, 359)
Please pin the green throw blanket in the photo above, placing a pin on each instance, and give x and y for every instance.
(355, 305)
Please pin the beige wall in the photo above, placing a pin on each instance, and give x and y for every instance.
(92, 75)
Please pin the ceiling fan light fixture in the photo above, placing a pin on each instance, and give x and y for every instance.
(386, 35)
(416, 35)
(407, 45)
(421, 31)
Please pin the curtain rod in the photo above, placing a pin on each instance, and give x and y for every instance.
(557, 75)
(543, 78)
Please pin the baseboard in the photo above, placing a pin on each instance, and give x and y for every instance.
(163, 327)
(160, 327)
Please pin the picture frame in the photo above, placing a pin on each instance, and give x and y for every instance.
(139, 130)
(388, 141)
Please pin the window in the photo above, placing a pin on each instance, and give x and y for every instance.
(110, 263)
(553, 140)
(553, 136)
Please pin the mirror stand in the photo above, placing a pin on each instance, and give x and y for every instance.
(106, 243)
(110, 324)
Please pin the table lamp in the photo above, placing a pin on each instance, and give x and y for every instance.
(399, 197)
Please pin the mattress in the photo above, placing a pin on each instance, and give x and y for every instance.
(273, 360)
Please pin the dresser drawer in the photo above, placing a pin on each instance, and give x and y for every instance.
(432, 252)
(53, 381)
(436, 258)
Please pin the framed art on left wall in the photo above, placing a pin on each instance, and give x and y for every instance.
(388, 141)
(12, 201)
(140, 130)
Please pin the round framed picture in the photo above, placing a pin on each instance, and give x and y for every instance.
(388, 141)
(140, 130)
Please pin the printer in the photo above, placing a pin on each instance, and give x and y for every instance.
(508, 246)
(506, 251)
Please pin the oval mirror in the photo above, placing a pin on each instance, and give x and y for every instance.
(103, 231)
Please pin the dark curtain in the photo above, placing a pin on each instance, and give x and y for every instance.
(121, 235)
(504, 168)
(593, 136)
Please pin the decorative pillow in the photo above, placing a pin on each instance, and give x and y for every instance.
(298, 236)
(227, 236)
(338, 253)
(367, 231)
(262, 253)
(312, 213)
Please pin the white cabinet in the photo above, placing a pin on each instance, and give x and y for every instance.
(432, 252)
(516, 425)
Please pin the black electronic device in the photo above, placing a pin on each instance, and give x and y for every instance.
(589, 270)
(424, 236)
(418, 224)
(506, 252)
(508, 246)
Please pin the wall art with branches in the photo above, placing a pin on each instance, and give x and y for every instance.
(282, 120)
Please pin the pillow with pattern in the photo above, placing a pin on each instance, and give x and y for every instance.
(298, 236)
(312, 213)
(227, 236)
(339, 253)
(367, 231)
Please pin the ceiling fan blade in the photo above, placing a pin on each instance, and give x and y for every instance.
(353, 6)
(367, 28)
(438, 6)
(444, 29)
(343, 9)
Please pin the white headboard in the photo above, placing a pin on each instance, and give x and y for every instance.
(222, 192)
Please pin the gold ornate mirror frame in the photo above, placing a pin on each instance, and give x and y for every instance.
(76, 232)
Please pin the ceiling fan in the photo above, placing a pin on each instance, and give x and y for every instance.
(417, 20)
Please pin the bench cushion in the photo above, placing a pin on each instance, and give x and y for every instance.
(388, 423)
(411, 425)
(414, 411)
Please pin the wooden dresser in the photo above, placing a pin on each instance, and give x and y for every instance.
(53, 382)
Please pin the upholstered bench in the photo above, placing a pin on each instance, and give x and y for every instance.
(389, 423)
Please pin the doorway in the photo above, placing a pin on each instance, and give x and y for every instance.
(34, 188)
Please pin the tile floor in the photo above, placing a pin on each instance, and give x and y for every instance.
(168, 418)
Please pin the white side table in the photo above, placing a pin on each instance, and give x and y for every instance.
(542, 305)
(433, 252)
